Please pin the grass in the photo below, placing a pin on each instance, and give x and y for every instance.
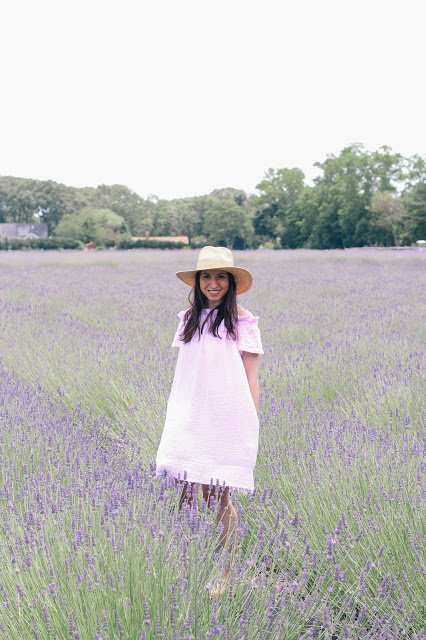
(339, 502)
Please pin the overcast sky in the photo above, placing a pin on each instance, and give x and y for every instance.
(176, 98)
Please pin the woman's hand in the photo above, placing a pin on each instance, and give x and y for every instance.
(250, 365)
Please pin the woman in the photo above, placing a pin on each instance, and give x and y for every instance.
(211, 432)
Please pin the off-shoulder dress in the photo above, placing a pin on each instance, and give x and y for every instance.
(211, 430)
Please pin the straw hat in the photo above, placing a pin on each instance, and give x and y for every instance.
(218, 258)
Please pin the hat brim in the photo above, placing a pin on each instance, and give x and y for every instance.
(243, 278)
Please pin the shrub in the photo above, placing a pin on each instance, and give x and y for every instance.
(149, 244)
(198, 242)
(19, 244)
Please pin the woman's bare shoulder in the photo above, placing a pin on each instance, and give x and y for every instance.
(242, 312)
(182, 314)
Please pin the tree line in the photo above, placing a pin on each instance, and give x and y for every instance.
(360, 198)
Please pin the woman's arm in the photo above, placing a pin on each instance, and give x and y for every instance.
(250, 366)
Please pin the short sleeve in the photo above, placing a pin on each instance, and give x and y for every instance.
(176, 342)
(249, 335)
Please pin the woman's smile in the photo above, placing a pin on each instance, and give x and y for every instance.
(214, 285)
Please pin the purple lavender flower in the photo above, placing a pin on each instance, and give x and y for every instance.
(104, 620)
(326, 622)
(147, 619)
(216, 629)
(295, 520)
(47, 619)
(119, 623)
(358, 537)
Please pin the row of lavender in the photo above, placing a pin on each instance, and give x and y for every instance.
(88, 546)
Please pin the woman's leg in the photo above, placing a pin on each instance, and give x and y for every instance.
(189, 494)
(227, 516)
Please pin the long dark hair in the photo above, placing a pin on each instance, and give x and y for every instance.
(226, 310)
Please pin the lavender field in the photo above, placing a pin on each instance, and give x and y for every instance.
(92, 546)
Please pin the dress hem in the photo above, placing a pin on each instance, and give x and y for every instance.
(167, 473)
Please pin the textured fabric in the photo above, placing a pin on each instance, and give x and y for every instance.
(211, 429)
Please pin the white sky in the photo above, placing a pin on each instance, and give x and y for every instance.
(179, 97)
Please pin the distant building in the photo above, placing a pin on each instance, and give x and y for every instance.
(23, 230)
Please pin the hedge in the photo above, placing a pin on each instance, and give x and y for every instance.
(150, 244)
(17, 244)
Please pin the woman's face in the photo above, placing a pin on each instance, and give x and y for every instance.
(214, 283)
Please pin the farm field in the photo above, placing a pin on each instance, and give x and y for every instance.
(332, 540)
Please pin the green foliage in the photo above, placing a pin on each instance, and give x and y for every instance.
(197, 242)
(100, 226)
(17, 244)
(149, 244)
(229, 193)
(343, 196)
(137, 212)
(278, 209)
(415, 211)
(342, 208)
(24, 200)
(389, 209)
(226, 222)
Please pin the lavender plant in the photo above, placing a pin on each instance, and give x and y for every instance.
(92, 545)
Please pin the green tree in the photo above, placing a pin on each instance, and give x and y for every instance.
(415, 212)
(343, 191)
(414, 199)
(138, 213)
(162, 216)
(387, 169)
(92, 225)
(277, 206)
(229, 193)
(326, 233)
(389, 212)
(415, 172)
(308, 206)
(25, 200)
(335, 212)
(199, 207)
(227, 224)
(71, 227)
(181, 218)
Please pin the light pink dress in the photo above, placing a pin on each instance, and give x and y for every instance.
(212, 429)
